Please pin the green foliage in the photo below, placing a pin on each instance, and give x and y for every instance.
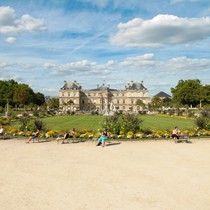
(139, 102)
(203, 120)
(24, 120)
(39, 124)
(53, 103)
(1, 109)
(39, 99)
(17, 94)
(167, 102)
(7, 89)
(23, 94)
(122, 122)
(112, 123)
(187, 92)
(156, 102)
(205, 95)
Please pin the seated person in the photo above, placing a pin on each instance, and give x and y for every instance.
(65, 136)
(103, 138)
(34, 135)
(175, 134)
(72, 133)
(2, 131)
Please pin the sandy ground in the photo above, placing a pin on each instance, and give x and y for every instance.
(126, 176)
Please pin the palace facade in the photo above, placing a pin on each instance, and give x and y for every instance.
(103, 98)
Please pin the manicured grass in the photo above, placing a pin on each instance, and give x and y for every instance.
(166, 122)
(93, 122)
(90, 122)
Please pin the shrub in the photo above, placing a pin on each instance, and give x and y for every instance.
(39, 124)
(24, 121)
(201, 122)
(122, 122)
(147, 131)
(203, 119)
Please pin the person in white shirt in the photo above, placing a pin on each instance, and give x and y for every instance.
(1, 130)
(175, 134)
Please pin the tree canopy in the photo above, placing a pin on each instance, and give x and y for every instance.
(18, 94)
(188, 92)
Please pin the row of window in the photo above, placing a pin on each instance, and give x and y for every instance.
(99, 95)
(104, 101)
(89, 108)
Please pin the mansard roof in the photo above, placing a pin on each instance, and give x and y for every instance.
(162, 95)
(135, 86)
(71, 86)
(102, 87)
(130, 86)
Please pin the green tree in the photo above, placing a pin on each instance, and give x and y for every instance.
(13, 93)
(156, 102)
(167, 102)
(140, 103)
(7, 89)
(39, 99)
(187, 92)
(23, 94)
(205, 92)
(53, 103)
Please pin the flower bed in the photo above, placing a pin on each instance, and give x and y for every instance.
(88, 134)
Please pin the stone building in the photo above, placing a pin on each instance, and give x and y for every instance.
(103, 98)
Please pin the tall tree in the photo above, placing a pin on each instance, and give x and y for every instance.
(206, 94)
(23, 94)
(53, 103)
(167, 101)
(7, 89)
(187, 92)
(156, 102)
(39, 99)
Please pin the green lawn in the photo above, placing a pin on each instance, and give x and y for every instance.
(93, 122)
(79, 122)
(163, 123)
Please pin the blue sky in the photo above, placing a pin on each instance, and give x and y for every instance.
(43, 43)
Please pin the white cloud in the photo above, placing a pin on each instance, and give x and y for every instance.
(161, 31)
(146, 65)
(4, 65)
(10, 40)
(49, 65)
(83, 67)
(73, 67)
(181, 65)
(10, 23)
(28, 66)
(154, 72)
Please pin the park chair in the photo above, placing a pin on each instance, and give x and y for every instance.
(184, 138)
(36, 138)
